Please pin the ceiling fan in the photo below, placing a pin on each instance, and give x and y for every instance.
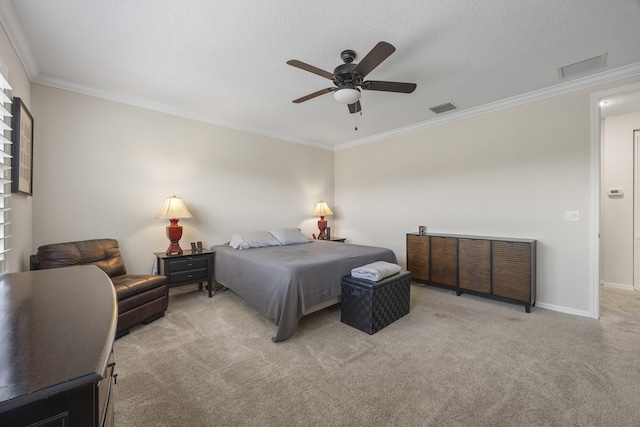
(348, 77)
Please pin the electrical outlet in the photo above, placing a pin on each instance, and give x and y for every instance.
(571, 216)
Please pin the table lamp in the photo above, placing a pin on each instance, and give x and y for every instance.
(321, 210)
(174, 209)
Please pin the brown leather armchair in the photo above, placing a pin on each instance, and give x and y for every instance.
(141, 298)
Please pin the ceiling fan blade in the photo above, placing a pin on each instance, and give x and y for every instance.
(314, 94)
(310, 68)
(379, 53)
(389, 86)
(354, 108)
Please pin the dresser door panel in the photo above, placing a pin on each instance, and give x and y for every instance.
(475, 265)
(512, 270)
(418, 256)
(444, 260)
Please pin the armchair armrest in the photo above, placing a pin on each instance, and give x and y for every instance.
(33, 263)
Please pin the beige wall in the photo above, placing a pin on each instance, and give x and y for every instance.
(103, 169)
(617, 212)
(21, 206)
(510, 173)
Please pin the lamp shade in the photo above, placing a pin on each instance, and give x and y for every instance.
(347, 95)
(173, 208)
(322, 209)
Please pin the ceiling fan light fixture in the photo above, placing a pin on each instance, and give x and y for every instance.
(347, 95)
(348, 77)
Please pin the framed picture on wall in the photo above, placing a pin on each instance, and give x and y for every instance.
(22, 149)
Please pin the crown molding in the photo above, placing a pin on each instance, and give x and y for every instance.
(559, 89)
(50, 81)
(13, 28)
(631, 70)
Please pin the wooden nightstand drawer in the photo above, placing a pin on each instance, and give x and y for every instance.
(187, 263)
(188, 275)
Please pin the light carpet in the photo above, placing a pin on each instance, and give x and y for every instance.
(452, 361)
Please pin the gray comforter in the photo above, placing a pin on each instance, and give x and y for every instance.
(283, 282)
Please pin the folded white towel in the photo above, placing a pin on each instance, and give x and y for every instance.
(375, 271)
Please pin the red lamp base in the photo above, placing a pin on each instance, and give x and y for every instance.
(174, 249)
(322, 226)
(174, 233)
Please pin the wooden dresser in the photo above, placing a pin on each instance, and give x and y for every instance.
(496, 267)
(56, 358)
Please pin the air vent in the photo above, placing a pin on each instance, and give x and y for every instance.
(448, 106)
(583, 66)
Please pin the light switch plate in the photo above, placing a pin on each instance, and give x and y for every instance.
(571, 216)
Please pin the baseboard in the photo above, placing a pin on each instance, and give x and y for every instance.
(616, 285)
(562, 309)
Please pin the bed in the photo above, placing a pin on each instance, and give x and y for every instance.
(285, 282)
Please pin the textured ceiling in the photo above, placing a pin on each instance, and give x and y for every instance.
(225, 62)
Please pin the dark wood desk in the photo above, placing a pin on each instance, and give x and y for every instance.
(57, 328)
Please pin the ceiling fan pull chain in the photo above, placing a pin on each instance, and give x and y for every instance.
(356, 118)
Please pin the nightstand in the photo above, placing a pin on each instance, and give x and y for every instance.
(332, 239)
(189, 267)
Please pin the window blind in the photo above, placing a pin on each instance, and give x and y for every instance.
(5, 167)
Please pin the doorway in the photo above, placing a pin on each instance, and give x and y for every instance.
(618, 115)
(636, 207)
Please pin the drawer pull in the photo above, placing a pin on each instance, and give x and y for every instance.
(189, 276)
(190, 264)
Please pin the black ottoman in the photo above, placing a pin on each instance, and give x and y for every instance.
(370, 306)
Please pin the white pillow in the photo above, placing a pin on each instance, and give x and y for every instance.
(255, 239)
(289, 236)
